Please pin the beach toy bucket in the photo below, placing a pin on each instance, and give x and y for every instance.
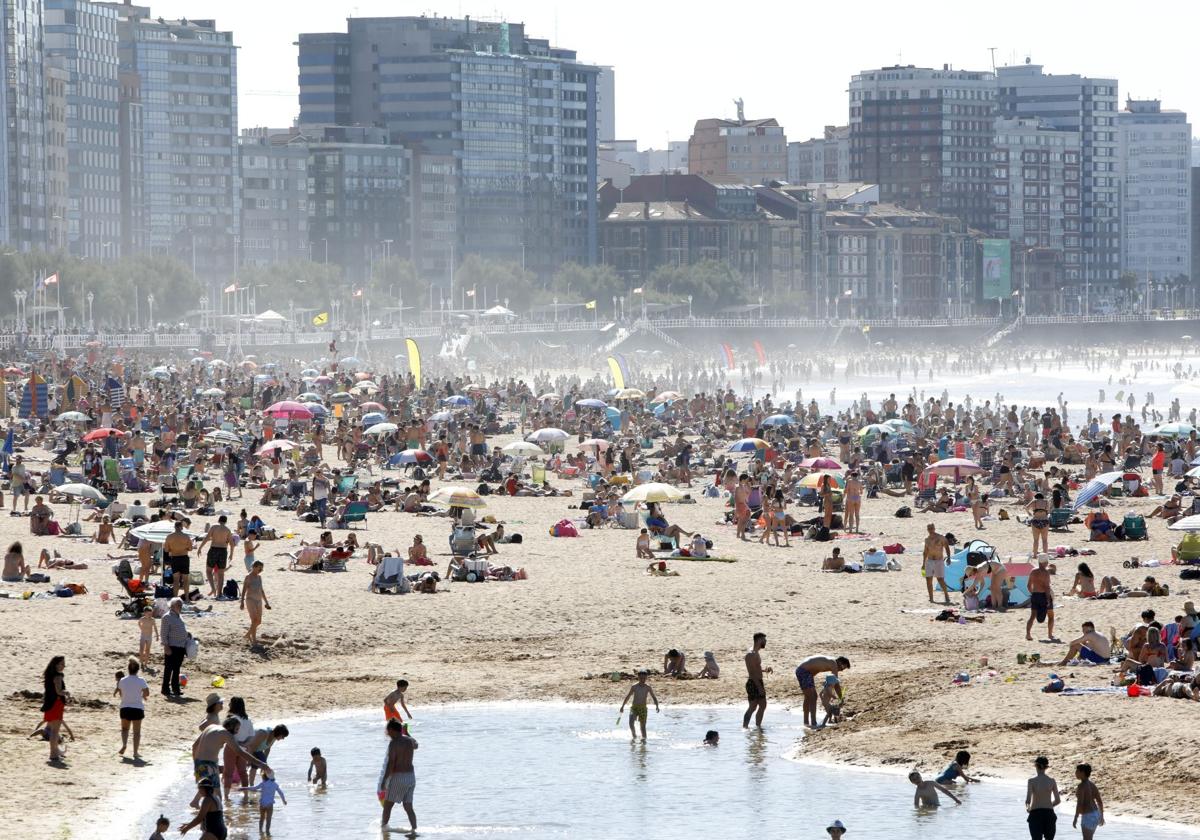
(1132, 690)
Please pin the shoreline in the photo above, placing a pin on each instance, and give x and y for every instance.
(122, 802)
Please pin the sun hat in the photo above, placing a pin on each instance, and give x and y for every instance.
(836, 825)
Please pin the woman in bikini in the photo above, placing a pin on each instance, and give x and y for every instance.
(1085, 582)
(853, 501)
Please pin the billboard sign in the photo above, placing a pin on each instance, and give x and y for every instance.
(997, 269)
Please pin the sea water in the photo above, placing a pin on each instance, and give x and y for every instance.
(535, 771)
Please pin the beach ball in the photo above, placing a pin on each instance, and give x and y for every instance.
(218, 682)
(183, 680)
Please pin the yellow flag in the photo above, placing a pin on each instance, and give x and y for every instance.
(321, 319)
(591, 304)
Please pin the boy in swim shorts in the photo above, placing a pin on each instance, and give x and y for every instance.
(638, 711)
(1089, 807)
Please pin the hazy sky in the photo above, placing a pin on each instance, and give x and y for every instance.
(677, 61)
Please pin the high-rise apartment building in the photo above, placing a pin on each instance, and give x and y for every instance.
(1156, 204)
(752, 151)
(23, 216)
(1035, 204)
(517, 115)
(606, 105)
(925, 137)
(186, 157)
(274, 197)
(57, 168)
(1088, 106)
(81, 38)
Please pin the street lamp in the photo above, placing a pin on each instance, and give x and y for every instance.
(150, 302)
(556, 310)
(849, 296)
(689, 307)
(91, 296)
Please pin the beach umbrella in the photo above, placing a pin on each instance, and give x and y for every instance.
(821, 464)
(816, 480)
(310, 372)
(372, 418)
(629, 394)
(1194, 472)
(414, 456)
(875, 429)
(1095, 487)
(290, 409)
(323, 380)
(264, 379)
(902, 427)
(81, 491)
(317, 409)
(463, 497)
(1187, 523)
(222, 436)
(1177, 429)
(667, 396)
(653, 492)
(212, 392)
(955, 467)
(592, 403)
(748, 445)
(160, 373)
(197, 360)
(158, 531)
(441, 417)
(340, 397)
(457, 400)
(599, 443)
(371, 406)
(524, 448)
(280, 444)
(365, 387)
(547, 435)
(779, 420)
(101, 433)
(549, 396)
(309, 397)
(350, 362)
(218, 363)
(72, 417)
(249, 365)
(381, 428)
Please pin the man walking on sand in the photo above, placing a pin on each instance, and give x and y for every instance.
(398, 779)
(1041, 798)
(756, 690)
(936, 553)
(1041, 599)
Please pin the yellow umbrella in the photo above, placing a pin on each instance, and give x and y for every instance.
(653, 492)
(463, 497)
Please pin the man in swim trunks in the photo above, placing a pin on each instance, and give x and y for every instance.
(806, 675)
(936, 553)
(398, 779)
(756, 689)
(1041, 599)
(177, 549)
(209, 746)
(741, 505)
(1041, 798)
(218, 539)
(1039, 522)
(1091, 647)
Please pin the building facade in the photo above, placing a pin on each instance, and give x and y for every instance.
(518, 116)
(752, 151)
(57, 165)
(274, 197)
(1156, 204)
(186, 89)
(1036, 205)
(823, 159)
(23, 216)
(1088, 106)
(81, 38)
(925, 136)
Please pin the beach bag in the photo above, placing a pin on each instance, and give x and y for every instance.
(230, 589)
(564, 528)
(483, 490)
(904, 512)
(52, 529)
(894, 548)
(516, 538)
(192, 649)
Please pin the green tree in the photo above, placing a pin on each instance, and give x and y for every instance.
(574, 282)
(500, 279)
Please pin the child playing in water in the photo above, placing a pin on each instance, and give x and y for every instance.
(639, 691)
(267, 789)
(643, 546)
(147, 630)
(161, 825)
(956, 769)
(316, 768)
(831, 699)
(397, 696)
(926, 794)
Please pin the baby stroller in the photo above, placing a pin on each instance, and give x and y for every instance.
(137, 597)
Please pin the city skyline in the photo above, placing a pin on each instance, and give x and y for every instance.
(1150, 61)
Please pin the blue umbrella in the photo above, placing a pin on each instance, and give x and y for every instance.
(592, 403)
(317, 409)
(779, 420)
(1095, 487)
(614, 417)
(371, 418)
(457, 399)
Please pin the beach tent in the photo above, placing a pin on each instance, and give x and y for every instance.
(35, 398)
(977, 551)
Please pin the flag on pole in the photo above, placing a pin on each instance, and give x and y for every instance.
(230, 289)
(638, 290)
(357, 293)
(470, 293)
(52, 280)
(591, 304)
(320, 319)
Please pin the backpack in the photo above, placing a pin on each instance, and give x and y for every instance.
(231, 589)
(483, 489)
(904, 512)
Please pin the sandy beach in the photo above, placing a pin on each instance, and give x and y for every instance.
(589, 608)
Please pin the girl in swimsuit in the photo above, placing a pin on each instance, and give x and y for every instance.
(254, 599)
(1085, 582)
